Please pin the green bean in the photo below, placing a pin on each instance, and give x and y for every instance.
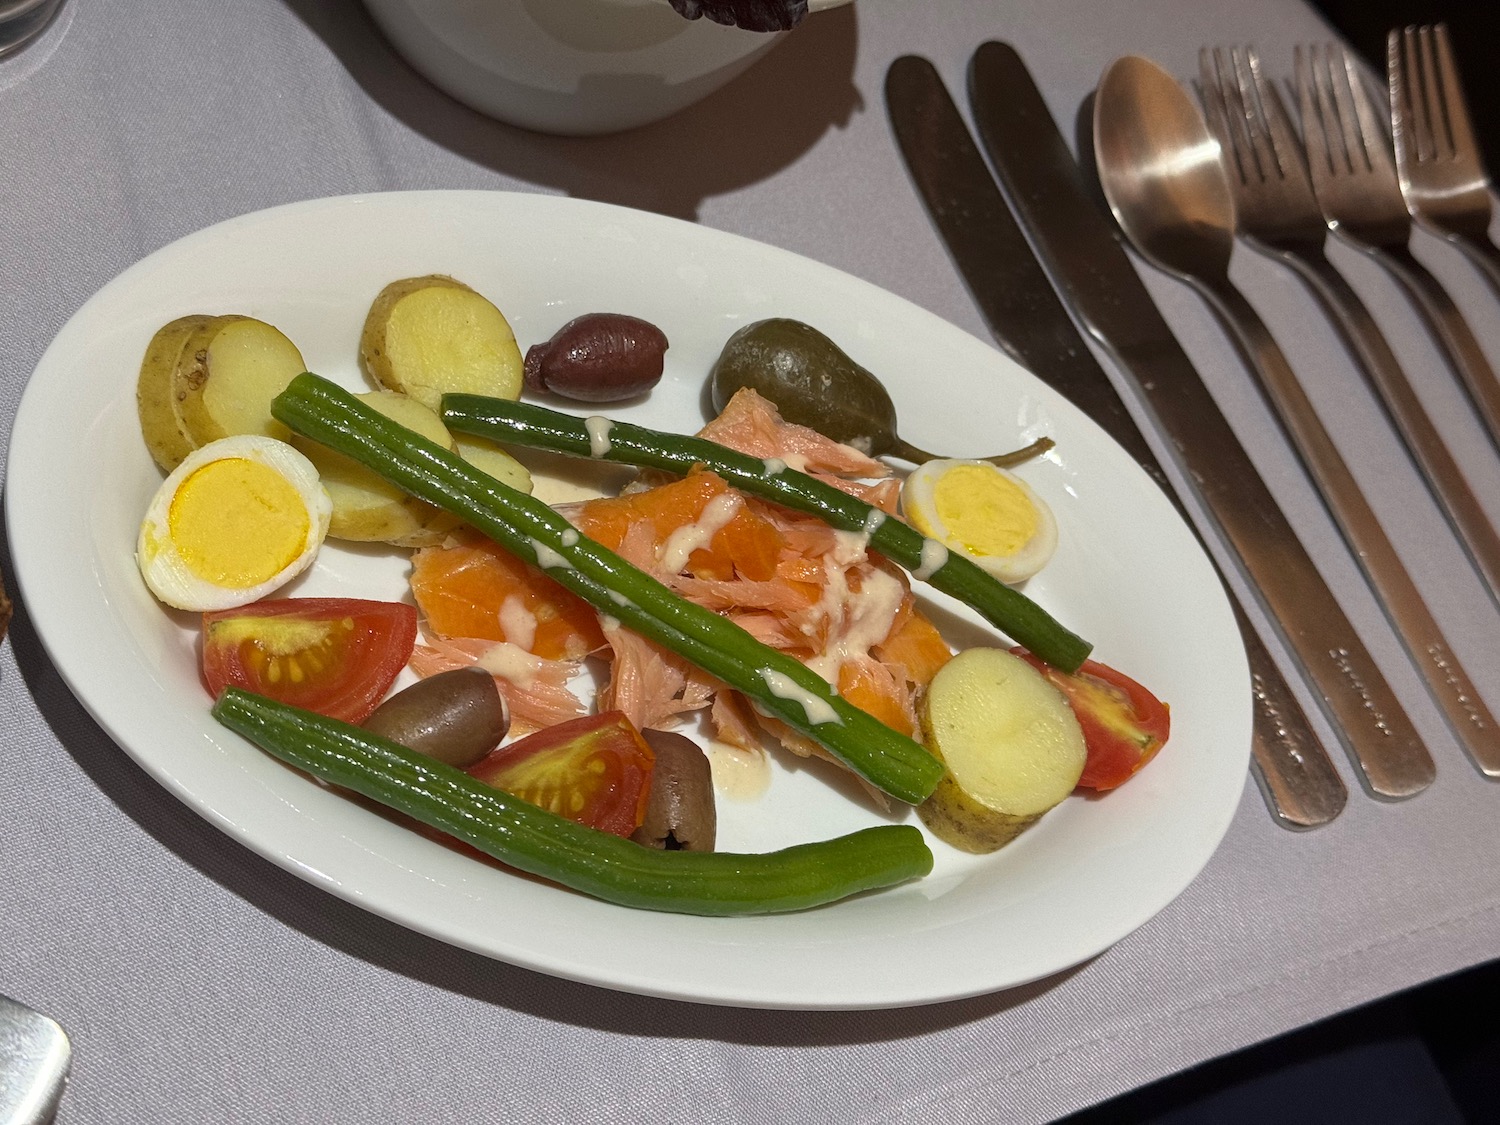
(530, 838)
(779, 685)
(521, 423)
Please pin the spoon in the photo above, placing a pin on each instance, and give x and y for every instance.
(1160, 170)
(813, 382)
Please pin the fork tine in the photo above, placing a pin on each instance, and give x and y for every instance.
(1337, 118)
(1455, 106)
(1225, 119)
(1215, 110)
(1278, 123)
(1433, 96)
(1410, 110)
(1403, 112)
(1243, 65)
(1372, 142)
(1314, 138)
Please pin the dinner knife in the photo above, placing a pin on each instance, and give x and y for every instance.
(1294, 773)
(1081, 251)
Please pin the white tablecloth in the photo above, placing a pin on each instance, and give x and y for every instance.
(201, 983)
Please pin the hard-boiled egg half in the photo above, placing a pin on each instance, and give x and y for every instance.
(984, 512)
(238, 518)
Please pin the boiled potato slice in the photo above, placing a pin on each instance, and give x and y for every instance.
(366, 507)
(230, 369)
(1011, 743)
(428, 336)
(161, 423)
(490, 458)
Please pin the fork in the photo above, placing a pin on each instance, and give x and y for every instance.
(1277, 214)
(1437, 157)
(1354, 179)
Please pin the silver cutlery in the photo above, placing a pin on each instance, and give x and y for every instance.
(1081, 251)
(1294, 773)
(1277, 214)
(1354, 179)
(34, 1060)
(1437, 158)
(1161, 172)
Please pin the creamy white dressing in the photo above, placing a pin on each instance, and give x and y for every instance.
(598, 428)
(865, 621)
(570, 537)
(873, 521)
(817, 709)
(547, 558)
(510, 662)
(933, 556)
(517, 622)
(608, 623)
(739, 775)
(774, 465)
(674, 553)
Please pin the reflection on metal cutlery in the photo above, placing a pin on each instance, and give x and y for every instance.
(34, 1059)
(1178, 213)
(1442, 175)
(1355, 181)
(1277, 214)
(1081, 251)
(1299, 782)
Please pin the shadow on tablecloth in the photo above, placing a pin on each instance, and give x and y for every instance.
(744, 132)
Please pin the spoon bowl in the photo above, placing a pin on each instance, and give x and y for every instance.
(1159, 168)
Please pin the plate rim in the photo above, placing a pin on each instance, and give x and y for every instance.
(46, 626)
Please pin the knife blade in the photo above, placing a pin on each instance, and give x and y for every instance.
(1082, 253)
(1296, 777)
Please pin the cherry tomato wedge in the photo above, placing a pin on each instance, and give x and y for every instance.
(1124, 725)
(335, 656)
(595, 770)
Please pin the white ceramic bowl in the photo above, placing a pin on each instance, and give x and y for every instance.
(574, 67)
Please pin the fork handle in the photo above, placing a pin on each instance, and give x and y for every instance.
(1449, 329)
(1446, 680)
(1383, 372)
(1484, 254)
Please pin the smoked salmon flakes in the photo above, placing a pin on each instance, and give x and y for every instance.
(787, 578)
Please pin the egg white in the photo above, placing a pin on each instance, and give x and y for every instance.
(159, 557)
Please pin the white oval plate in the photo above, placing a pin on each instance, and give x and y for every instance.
(1128, 575)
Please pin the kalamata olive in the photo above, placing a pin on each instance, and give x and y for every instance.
(598, 357)
(456, 717)
(813, 383)
(680, 812)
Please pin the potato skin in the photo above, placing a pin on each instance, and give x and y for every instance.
(223, 387)
(161, 425)
(954, 817)
(1012, 745)
(480, 354)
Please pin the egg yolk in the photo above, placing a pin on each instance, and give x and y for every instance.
(237, 522)
(983, 511)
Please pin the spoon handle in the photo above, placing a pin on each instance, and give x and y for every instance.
(1383, 372)
(1451, 688)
